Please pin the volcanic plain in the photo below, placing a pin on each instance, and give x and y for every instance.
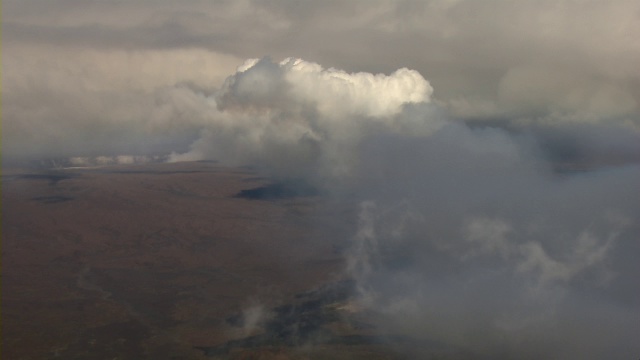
(174, 261)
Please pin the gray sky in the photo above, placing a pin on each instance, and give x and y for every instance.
(88, 76)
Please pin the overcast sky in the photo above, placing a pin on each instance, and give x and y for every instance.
(97, 76)
(491, 147)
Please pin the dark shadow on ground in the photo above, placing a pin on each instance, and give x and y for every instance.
(53, 177)
(279, 190)
(52, 199)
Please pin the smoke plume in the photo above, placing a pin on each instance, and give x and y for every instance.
(498, 198)
(485, 238)
(299, 119)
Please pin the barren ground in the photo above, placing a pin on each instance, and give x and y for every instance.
(152, 262)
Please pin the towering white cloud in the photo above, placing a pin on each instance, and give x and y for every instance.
(298, 117)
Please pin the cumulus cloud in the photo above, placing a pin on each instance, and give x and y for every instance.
(301, 119)
(84, 161)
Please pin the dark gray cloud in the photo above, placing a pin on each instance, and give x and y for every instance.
(468, 237)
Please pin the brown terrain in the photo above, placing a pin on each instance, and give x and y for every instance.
(173, 261)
